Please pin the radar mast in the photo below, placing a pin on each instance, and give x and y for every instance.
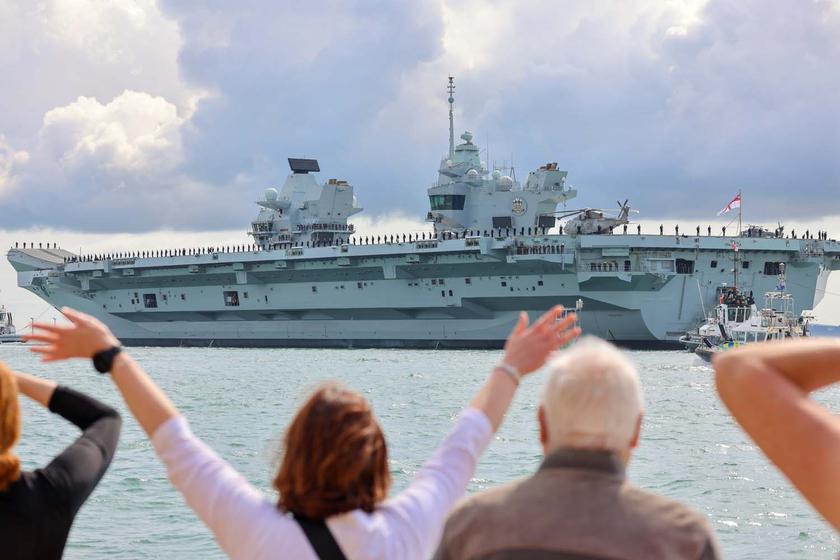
(451, 89)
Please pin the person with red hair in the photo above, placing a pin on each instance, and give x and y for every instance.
(333, 481)
(37, 508)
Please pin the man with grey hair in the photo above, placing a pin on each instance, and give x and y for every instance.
(579, 504)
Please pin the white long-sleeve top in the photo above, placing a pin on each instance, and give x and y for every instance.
(249, 526)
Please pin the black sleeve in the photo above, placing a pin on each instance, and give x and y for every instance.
(76, 471)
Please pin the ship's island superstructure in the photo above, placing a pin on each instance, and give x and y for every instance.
(307, 278)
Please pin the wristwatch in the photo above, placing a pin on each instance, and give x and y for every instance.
(104, 361)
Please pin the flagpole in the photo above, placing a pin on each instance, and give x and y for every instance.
(740, 210)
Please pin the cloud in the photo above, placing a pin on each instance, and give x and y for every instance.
(10, 161)
(133, 133)
(141, 115)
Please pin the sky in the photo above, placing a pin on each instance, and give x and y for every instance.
(129, 122)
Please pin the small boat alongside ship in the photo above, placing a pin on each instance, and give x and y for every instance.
(775, 321)
(8, 333)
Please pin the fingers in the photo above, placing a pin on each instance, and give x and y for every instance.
(565, 323)
(76, 317)
(49, 327)
(521, 324)
(548, 318)
(40, 337)
(568, 336)
(44, 349)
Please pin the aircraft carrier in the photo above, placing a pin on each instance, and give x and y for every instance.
(306, 278)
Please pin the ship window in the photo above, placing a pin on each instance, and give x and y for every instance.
(359, 285)
(539, 282)
(772, 268)
(434, 281)
(149, 300)
(447, 201)
(443, 293)
(714, 264)
(165, 298)
(467, 280)
(136, 296)
(626, 266)
(266, 299)
(504, 284)
(440, 281)
(685, 266)
(183, 297)
(231, 299)
(314, 288)
(745, 264)
(450, 292)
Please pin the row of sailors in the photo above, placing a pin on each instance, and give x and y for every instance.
(367, 240)
(326, 227)
(161, 253)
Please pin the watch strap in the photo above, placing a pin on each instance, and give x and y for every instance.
(103, 361)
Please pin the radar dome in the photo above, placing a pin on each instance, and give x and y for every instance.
(472, 174)
(271, 195)
(506, 183)
(496, 174)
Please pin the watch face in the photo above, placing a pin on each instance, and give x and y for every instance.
(518, 206)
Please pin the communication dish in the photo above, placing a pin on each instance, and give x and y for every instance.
(299, 165)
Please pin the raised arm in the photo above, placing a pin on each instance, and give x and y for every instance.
(76, 471)
(526, 350)
(416, 515)
(85, 337)
(39, 390)
(766, 387)
(221, 497)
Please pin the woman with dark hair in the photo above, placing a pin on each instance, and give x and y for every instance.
(37, 508)
(334, 477)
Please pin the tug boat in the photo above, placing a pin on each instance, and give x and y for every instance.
(7, 327)
(747, 325)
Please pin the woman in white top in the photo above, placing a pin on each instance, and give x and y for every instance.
(334, 476)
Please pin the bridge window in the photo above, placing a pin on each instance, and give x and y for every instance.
(714, 264)
(149, 301)
(231, 299)
(447, 201)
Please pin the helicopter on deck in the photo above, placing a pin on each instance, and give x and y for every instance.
(595, 220)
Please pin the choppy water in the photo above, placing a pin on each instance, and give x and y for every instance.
(240, 400)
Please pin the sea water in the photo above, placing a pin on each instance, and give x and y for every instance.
(238, 401)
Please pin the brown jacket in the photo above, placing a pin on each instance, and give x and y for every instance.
(578, 506)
